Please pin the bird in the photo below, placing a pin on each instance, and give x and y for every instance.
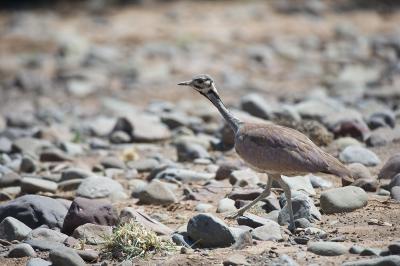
(269, 148)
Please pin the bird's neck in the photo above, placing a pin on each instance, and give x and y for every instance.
(232, 121)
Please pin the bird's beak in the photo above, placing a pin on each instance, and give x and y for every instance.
(185, 83)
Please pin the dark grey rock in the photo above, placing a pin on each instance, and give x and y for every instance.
(34, 211)
(98, 187)
(390, 168)
(302, 223)
(190, 152)
(28, 165)
(84, 211)
(255, 105)
(53, 155)
(370, 252)
(88, 255)
(92, 234)
(34, 185)
(209, 231)
(21, 250)
(157, 192)
(252, 220)
(344, 199)
(327, 248)
(394, 248)
(137, 186)
(395, 182)
(75, 173)
(46, 234)
(303, 207)
(356, 249)
(393, 260)
(225, 171)
(12, 229)
(65, 257)
(269, 231)
(356, 154)
(43, 245)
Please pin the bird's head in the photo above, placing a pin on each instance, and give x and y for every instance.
(202, 83)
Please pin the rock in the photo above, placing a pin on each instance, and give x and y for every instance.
(142, 218)
(245, 194)
(235, 260)
(75, 173)
(69, 185)
(148, 128)
(5, 145)
(392, 260)
(46, 234)
(390, 168)
(120, 137)
(327, 248)
(284, 260)
(137, 186)
(355, 128)
(370, 185)
(30, 146)
(394, 248)
(37, 262)
(84, 211)
(188, 152)
(88, 255)
(21, 250)
(182, 175)
(303, 207)
(204, 207)
(302, 223)
(34, 185)
(355, 154)
(28, 165)
(157, 192)
(395, 193)
(317, 108)
(255, 105)
(315, 232)
(269, 231)
(72, 149)
(252, 220)
(382, 119)
(383, 192)
(53, 155)
(225, 170)
(112, 162)
(301, 183)
(98, 187)
(12, 229)
(319, 182)
(92, 234)
(359, 171)
(356, 249)
(144, 165)
(35, 210)
(9, 179)
(65, 257)
(226, 205)
(344, 199)
(370, 252)
(44, 245)
(344, 142)
(244, 178)
(208, 231)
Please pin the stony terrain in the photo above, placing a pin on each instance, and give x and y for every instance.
(94, 131)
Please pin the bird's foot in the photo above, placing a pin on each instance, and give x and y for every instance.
(234, 215)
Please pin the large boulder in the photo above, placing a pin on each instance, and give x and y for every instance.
(35, 211)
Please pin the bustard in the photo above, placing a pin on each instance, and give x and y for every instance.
(272, 149)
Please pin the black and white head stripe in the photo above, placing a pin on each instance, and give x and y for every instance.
(202, 83)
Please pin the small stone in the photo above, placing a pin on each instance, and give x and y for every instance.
(28, 165)
(297, 183)
(144, 165)
(252, 220)
(242, 178)
(157, 192)
(190, 152)
(37, 262)
(303, 207)
(235, 260)
(355, 154)
(391, 167)
(356, 249)
(112, 162)
(10, 179)
(225, 171)
(98, 187)
(315, 232)
(65, 257)
(255, 105)
(395, 193)
(92, 234)
(383, 192)
(395, 182)
(21, 250)
(245, 194)
(54, 155)
(209, 231)
(319, 182)
(34, 185)
(46, 234)
(394, 248)
(359, 171)
(69, 185)
(44, 245)
(137, 186)
(370, 252)
(284, 260)
(344, 199)
(327, 248)
(5, 145)
(392, 260)
(270, 231)
(75, 173)
(302, 223)
(226, 205)
(120, 137)
(181, 175)
(88, 255)
(342, 143)
(12, 229)
(204, 207)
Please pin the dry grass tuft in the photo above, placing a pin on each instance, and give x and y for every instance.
(130, 240)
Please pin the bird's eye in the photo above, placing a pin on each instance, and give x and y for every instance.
(200, 81)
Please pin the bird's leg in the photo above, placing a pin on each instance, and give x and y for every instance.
(288, 194)
(263, 195)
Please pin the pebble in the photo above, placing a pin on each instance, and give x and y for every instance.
(301, 183)
(28, 165)
(303, 207)
(359, 171)
(235, 260)
(226, 205)
(204, 207)
(188, 152)
(269, 231)
(137, 186)
(255, 105)
(390, 168)
(65, 257)
(319, 182)
(209, 231)
(157, 192)
(225, 170)
(112, 162)
(92, 211)
(394, 248)
(98, 187)
(21, 250)
(392, 260)
(242, 178)
(394, 182)
(144, 165)
(395, 193)
(37, 262)
(75, 173)
(12, 229)
(54, 155)
(10, 179)
(344, 142)
(88, 255)
(327, 248)
(46, 234)
(182, 175)
(252, 220)
(316, 232)
(370, 252)
(5, 145)
(92, 234)
(344, 199)
(35, 211)
(283, 260)
(356, 154)
(32, 185)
